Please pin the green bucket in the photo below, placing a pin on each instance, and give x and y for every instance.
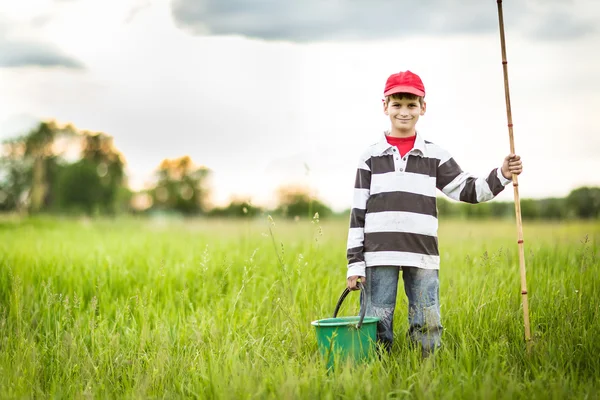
(347, 338)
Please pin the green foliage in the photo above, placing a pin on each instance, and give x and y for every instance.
(446, 208)
(38, 149)
(82, 189)
(553, 209)
(585, 202)
(15, 178)
(530, 209)
(79, 187)
(303, 207)
(123, 200)
(147, 309)
(581, 203)
(33, 174)
(181, 186)
(100, 153)
(297, 202)
(237, 209)
(501, 209)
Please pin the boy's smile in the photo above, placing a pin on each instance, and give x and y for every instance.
(404, 115)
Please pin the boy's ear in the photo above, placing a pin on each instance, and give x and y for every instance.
(423, 108)
(385, 111)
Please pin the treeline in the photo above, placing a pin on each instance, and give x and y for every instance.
(61, 169)
(65, 170)
(581, 203)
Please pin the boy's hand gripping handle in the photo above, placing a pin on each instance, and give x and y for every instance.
(363, 308)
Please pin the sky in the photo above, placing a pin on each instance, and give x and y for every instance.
(270, 93)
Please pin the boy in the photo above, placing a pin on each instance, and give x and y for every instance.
(393, 224)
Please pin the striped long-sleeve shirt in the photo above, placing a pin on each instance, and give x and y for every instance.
(394, 212)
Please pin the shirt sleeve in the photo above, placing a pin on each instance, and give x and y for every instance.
(463, 186)
(356, 233)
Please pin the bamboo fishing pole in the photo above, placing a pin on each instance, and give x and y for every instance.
(515, 184)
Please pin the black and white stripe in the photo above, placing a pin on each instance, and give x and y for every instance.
(394, 213)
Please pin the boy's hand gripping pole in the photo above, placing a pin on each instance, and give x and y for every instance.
(515, 184)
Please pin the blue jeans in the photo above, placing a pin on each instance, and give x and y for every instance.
(422, 289)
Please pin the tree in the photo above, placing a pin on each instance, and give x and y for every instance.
(181, 186)
(34, 173)
(297, 201)
(239, 208)
(38, 146)
(584, 202)
(530, 209)
(29, 162)
(447, 208)
(474, 211)
(14, 176)
(553, 208)
(501, 209)
(80, 188)
(109, 163)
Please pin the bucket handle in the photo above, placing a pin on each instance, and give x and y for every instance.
(363, 308)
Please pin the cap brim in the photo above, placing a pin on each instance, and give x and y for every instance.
(404, 89)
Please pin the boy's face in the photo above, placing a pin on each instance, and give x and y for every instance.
(404, 113)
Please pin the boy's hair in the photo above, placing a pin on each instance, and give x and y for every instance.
(402, 96)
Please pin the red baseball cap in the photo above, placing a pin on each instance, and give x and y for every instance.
(404, 82)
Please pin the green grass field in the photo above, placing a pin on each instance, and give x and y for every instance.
(204, 309)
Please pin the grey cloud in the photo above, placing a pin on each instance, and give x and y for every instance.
(15, 52)
(308, 20)
(316, 20)
(23, 53)
(562, 26)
